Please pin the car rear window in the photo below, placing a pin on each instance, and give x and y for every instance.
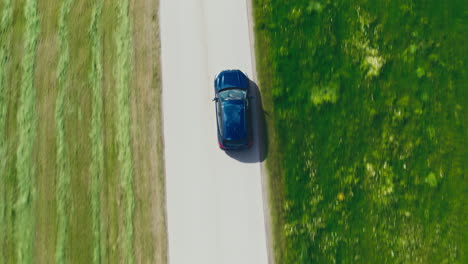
(233, 120)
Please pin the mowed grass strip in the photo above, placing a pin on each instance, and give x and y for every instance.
(122, 75)
(45, 146)
(77, 129)
(96, 134)
(111, 207)
(62, 163)
(26, 121)
(5, 24)
(13, 80)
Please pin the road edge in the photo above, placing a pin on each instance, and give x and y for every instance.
(263, 170)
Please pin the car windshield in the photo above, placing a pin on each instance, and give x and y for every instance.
(232, 94)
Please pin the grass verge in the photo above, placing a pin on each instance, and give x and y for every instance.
(145, 102)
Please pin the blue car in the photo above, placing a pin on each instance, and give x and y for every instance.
(233, 110)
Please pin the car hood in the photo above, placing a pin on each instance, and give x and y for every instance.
(230, 79)
(234, 120)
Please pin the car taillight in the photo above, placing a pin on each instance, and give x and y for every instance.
(250, 143)
(221, 145)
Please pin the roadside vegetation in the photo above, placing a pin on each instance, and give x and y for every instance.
(366, 115)
(73, 147)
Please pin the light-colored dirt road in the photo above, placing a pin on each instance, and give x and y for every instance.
(214, 200)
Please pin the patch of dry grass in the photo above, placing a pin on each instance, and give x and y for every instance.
(145, 102)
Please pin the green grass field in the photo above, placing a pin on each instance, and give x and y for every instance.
(366, 111)
(81, 166)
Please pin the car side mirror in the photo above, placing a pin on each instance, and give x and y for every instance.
(214, 99)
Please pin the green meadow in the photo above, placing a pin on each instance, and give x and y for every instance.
(366, 117)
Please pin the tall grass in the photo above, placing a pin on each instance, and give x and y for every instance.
(5, 24)
(122, 73)
(63, 167)
(26, 121)
(96, 134)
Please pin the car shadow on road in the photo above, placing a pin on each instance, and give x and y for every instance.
(259, 149)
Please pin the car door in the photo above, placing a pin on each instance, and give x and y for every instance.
(219, 117)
